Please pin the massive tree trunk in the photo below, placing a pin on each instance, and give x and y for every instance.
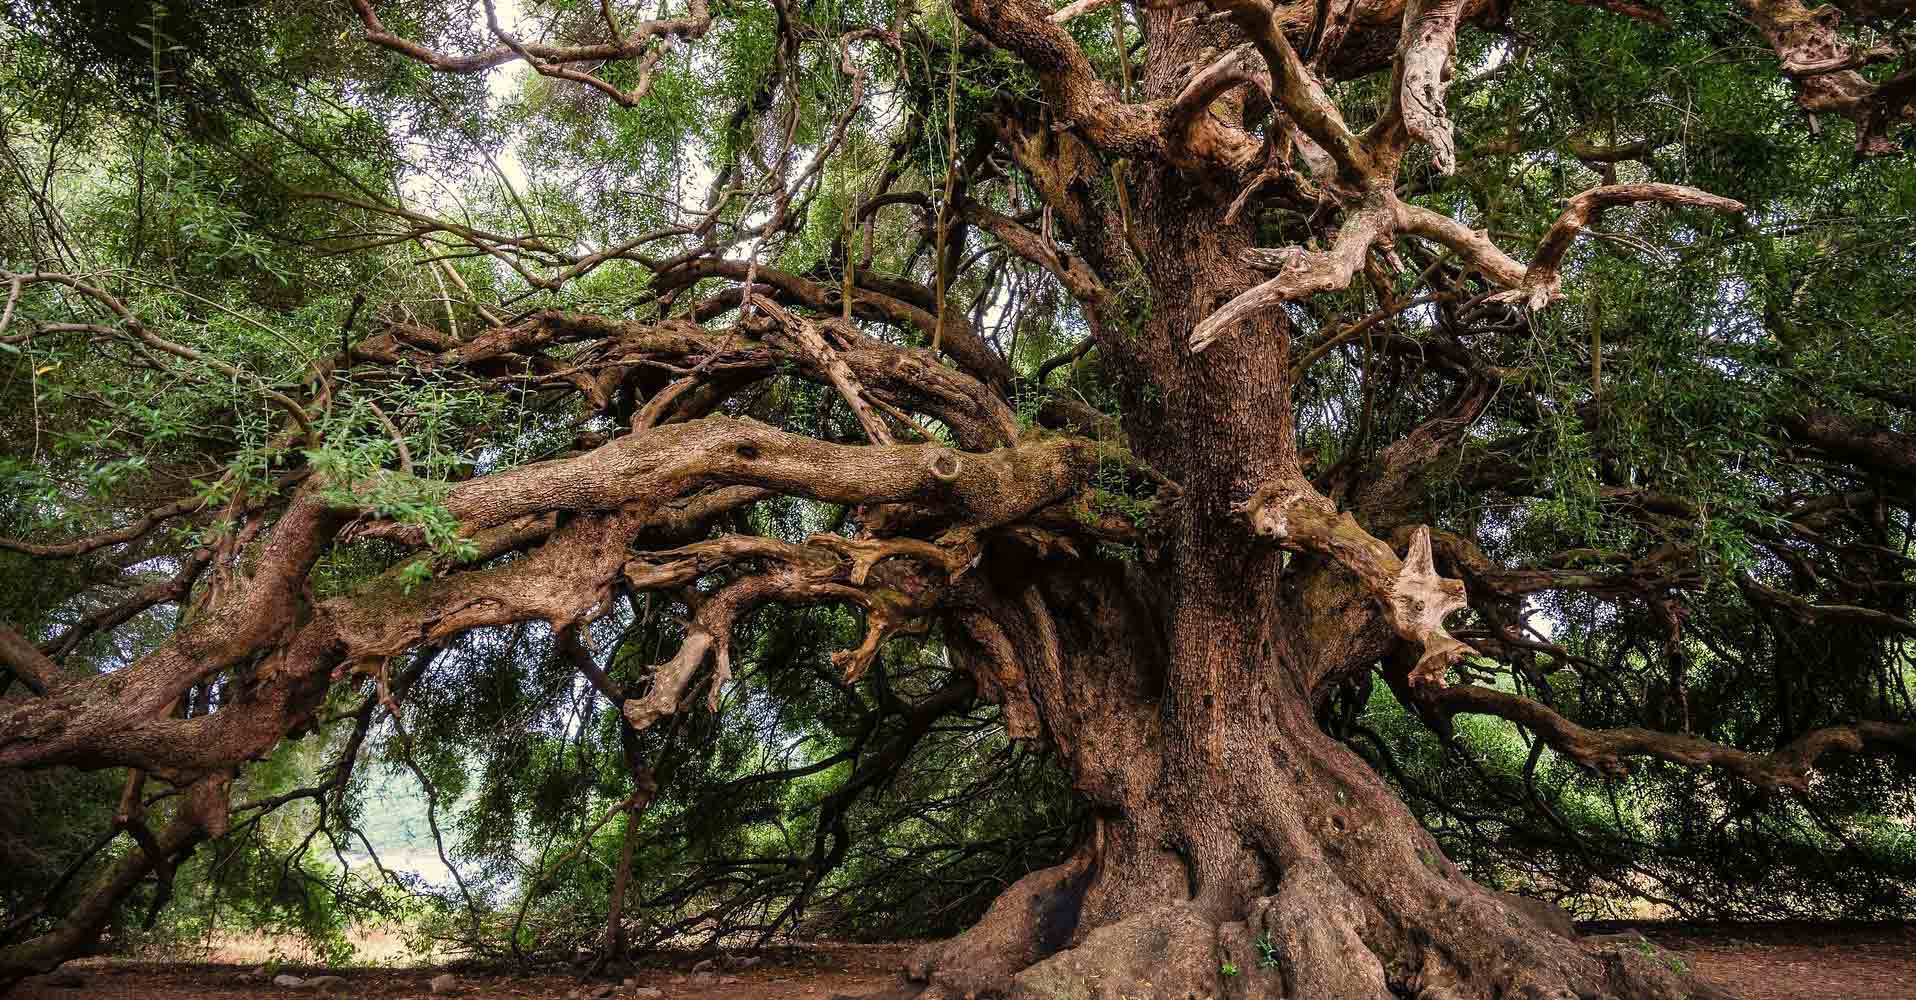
(1236, 849)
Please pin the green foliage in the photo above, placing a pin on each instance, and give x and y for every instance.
(1266, 951)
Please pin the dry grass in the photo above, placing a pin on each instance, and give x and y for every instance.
(374, 946)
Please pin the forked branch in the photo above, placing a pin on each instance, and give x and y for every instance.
(1380, 216)
(1302, 273)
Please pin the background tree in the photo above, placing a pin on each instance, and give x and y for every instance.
(416, 376)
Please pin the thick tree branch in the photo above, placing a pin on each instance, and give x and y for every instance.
(613, 493)
(646, 469)
(1080, 100)
(1194, 134)
(1870, 446)
(1605, 750)
(1823, 65)
(1302, 273)
(1419, 81)
(1295, 89)
(20, 657)
(1414, 598)
(1542, 280)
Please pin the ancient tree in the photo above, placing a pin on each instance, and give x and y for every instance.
(1307, 351)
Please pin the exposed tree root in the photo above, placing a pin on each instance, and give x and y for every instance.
(1314, 929)
(1319, 937)
(1167, 952)
(1030, 920)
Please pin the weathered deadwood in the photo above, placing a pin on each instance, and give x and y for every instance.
(1302, 273)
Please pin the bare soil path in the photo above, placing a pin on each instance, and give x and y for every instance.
(1754, 961)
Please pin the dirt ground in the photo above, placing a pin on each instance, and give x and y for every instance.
(1755, 962)
(1786, 961)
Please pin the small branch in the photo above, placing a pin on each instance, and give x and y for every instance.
(549, 59)
(138, 330)
(1076, 276)
(1344, 334)
(1082, 348)
(1078, 8)
(116, 536)
(813, 345)
(826, 569)
(398, 439)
